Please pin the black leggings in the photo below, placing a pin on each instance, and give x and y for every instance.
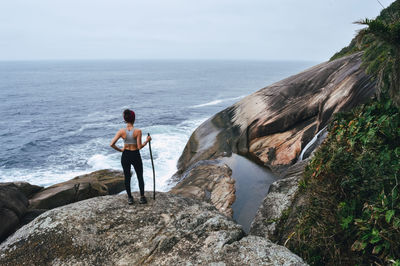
(132, 157)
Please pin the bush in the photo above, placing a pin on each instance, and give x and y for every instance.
(352, 191)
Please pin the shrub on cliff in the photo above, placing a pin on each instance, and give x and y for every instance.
(351, 187)
(352, 191)
(380, 42)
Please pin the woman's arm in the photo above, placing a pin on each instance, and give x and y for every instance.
(114, 140)
(139, 140)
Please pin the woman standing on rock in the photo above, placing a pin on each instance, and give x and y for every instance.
(130, 153)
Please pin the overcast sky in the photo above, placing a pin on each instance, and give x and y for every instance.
(179, 29)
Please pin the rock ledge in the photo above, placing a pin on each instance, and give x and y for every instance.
(169, 231)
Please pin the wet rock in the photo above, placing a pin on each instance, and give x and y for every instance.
(279, 198)
(274, 124)
(169, 231)
(13, 206)
(209, 181)
(99, 183)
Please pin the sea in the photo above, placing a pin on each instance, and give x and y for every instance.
(57, 118)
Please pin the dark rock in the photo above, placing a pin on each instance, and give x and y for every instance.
(13, 206)
(30, 215)
(99, 183)
(169, 231)
(27, 189)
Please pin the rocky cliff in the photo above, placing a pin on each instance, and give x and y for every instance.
(273, 125)
(169, 231)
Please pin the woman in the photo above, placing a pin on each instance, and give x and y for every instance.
(130, 153)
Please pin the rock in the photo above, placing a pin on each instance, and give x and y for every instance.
(253, 250)
(99, 183)
(13, 206)
(27, 189)
(209, 181)
(273, 125)
(279, 198)
(30, 215)
(169, 231)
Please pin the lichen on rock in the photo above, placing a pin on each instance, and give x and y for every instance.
(168, 231)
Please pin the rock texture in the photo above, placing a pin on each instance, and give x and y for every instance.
(13, 206)
(209, 181)
(273, 125)
(99, 183)
(27, 189)
(169, 231)
(21, 202)
(279, 198)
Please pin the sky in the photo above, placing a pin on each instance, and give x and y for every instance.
(311, 30)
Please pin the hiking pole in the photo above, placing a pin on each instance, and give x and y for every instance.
(154, 173)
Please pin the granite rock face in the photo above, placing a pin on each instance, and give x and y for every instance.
(279, 198)
(210, 181)
(169, 231)
(98, 183)
(273, 125)
(13, 206)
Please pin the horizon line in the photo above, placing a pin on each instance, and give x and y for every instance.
(158, 59)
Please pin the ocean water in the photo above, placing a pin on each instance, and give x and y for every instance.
(58, 117)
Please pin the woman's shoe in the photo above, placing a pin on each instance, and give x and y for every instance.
(130, 200)
(142, 200)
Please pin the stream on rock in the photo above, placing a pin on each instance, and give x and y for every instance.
(252, 184)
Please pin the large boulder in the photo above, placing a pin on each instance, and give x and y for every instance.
(274, 124)
(98, 183)
(169, 231)
(13, 206)
(209, 181)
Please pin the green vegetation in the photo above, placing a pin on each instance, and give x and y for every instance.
(352, 189)
(380, 42)
(351, 186)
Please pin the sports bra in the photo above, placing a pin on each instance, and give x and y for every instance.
(129, 137)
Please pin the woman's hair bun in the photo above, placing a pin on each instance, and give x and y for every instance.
(129, 116)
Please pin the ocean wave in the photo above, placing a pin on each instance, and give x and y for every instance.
(34, 145)
(95, 154)
(215, 102)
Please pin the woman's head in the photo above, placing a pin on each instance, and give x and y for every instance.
(129, 116)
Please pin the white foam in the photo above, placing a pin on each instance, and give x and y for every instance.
(95, 154)
(215, 102)
(99, 161)
(167, 145)
(41, 177)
